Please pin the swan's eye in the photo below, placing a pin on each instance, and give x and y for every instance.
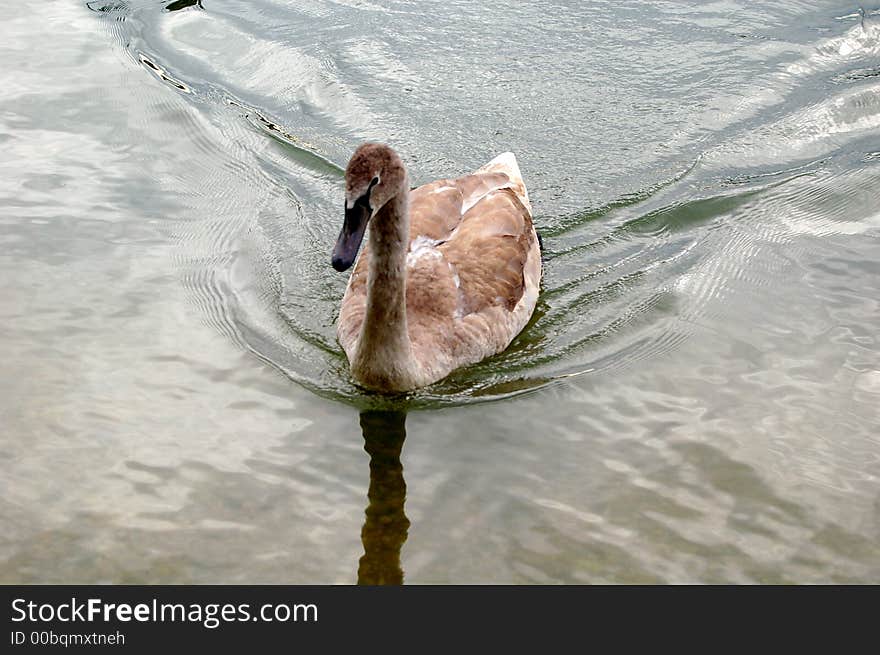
(374, 182)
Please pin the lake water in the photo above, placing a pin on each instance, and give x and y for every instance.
(696, 400)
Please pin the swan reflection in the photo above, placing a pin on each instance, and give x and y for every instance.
(385, 527)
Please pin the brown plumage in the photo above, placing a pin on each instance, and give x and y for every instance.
(449, 275)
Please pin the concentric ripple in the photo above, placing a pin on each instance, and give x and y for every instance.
(727, 174)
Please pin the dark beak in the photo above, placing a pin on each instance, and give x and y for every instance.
(349, 241)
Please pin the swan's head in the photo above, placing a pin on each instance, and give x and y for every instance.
(374, 175)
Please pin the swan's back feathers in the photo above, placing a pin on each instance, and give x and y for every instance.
(506, 163)
(488, 251)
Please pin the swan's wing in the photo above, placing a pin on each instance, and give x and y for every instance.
(488, 252)
(474, 262)
(437, 209)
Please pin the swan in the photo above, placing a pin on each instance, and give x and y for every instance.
(448, 276)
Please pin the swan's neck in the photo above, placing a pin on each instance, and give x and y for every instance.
(384, 356)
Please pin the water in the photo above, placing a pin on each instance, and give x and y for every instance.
(696, 399)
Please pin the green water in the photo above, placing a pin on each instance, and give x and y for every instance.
(696, 399)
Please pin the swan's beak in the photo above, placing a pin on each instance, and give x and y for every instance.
(349, 241)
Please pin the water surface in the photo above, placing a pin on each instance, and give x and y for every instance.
(696, 399)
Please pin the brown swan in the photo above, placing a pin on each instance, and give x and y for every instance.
(449, 275)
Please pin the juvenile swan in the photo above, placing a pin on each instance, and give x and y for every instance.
(449, 275)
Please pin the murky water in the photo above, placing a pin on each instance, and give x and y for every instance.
(696, 399)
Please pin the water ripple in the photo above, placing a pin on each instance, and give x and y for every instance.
(626, 281)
